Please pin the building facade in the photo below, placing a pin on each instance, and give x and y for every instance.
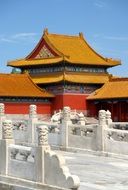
(67, 67)
(113, 96)
(17, 92)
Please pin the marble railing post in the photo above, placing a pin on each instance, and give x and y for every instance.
(31, 123)
(81, 119)
(108, 118)
(66, 121)
(6, 140)
(51, 168)
(2, 117)
(100, 130)
(40, 153)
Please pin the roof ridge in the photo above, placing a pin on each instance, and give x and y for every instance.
(64, 35)
(45, 32)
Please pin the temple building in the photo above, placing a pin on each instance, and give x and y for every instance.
(113, 96)
(67, 67)
(17, 92)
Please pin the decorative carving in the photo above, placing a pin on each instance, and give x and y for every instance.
(54, 129)
(82, 119)
(7, 129)
(57, 117)
(66, 113)
(33, 111)
(24, 154)
(108, 117)
(42, 135)
(2, 109)
(121, 136)
(44, 53)
(109, 134)
(20, 125)
(14, 152)
(102, 117)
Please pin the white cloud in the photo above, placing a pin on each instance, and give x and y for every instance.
(100, 4)
(29, 37)
(23, 35)
(118, 38)
(7, 40)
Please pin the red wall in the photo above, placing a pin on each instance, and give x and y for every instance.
(23, 108)
(57, 102)
(77, 101)
(92, 111)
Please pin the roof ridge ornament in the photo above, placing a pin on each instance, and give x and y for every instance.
(46, 31)
(81, 35)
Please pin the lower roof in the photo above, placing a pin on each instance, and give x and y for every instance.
(20, 85)
(78, 77)
(114, 89)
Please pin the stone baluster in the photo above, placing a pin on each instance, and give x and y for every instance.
(66, 121)
(32, 111)
(2, 117)
(42, 135)
(2, 109)
(7, 139)
(108, 117)
(7, 129)
(81, 119)
(100, 130)
(66, 113)
(31, 124)
(102, 117)
(39, 153)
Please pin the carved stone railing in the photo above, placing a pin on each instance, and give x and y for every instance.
(22, 153)
(20, 125)
(86, 130)
(74, 116)
(52, 128)
(37, 164)
(119, 125)
(117, 135)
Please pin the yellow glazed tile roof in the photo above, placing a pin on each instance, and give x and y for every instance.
(77, 50)
(42, 79)
(115, 88)
(31, 62)
(71, 77)
(20, 85)
(92, 78)
(72, 49)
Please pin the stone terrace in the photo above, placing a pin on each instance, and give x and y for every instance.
(98, 172)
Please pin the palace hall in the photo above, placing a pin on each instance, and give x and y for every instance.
(73, 74)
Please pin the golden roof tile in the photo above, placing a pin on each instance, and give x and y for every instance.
(92, 78)
(114, 89)
(77, 50)
(20, 85)
(32, 62)
(79, 77)
(43, 79)
(72, 49)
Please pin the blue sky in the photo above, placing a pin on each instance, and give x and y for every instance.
(104, 24)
